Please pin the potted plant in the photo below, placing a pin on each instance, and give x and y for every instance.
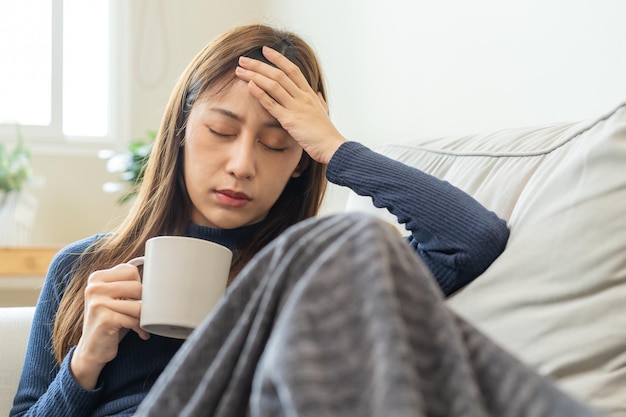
(17, 207)
(130, 165)
(15, 167)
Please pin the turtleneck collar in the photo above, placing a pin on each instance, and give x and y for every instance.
(231, 238)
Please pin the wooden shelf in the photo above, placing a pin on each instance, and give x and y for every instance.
(26, 261)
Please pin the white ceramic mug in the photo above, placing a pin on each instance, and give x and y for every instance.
(183, 279)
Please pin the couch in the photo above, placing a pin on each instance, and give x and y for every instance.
(14, 329)
(556, 296)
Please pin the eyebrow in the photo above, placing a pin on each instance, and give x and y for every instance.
(235, 116)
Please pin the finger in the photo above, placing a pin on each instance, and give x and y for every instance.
(288, 75)
(288, 67)
(114, 290)
(142, 333)
(324, 104)
(251, 69)
(107, 308)
(268, 85)
(131, 313)
(272, 106)
(122, 272)
(117, 314)
(130, 322)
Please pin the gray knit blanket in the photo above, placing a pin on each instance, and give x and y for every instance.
(339, 317)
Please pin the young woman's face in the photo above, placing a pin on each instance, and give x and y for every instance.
(237, 159)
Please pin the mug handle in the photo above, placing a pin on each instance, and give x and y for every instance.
(137, 261)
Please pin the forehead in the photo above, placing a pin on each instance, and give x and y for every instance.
(232, 97)
(218, 87)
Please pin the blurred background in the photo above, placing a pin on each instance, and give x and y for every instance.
(396, 70)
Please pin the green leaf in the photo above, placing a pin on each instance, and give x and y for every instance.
(15, 166)
(139, 150)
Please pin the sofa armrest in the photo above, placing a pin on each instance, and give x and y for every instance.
(15, 323)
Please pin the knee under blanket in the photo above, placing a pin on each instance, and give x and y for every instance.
(339, 317)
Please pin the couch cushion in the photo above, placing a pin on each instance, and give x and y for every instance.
(556, 297)
(15, 325)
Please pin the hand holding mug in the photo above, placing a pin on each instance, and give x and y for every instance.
(112, 307)
(183, 279)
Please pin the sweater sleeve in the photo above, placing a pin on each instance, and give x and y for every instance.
(47, 388)
(454, 234)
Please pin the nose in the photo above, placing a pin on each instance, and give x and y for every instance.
(242, 161)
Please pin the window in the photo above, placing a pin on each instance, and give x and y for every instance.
(55, 76)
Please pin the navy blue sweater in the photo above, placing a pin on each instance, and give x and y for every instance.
(455, 236)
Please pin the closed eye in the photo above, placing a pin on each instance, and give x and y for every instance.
(221, 134)
(271, 149)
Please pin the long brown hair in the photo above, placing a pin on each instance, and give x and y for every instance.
(162, 206)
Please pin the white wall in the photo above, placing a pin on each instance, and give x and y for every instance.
(406, 69)
(163, 37)
(403, 69)
(396, 70)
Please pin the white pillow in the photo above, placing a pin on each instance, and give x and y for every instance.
(556, 297)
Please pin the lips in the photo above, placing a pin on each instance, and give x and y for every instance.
(234, 194)
(232, 198)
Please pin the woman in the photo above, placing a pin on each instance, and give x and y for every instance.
(241, 155)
